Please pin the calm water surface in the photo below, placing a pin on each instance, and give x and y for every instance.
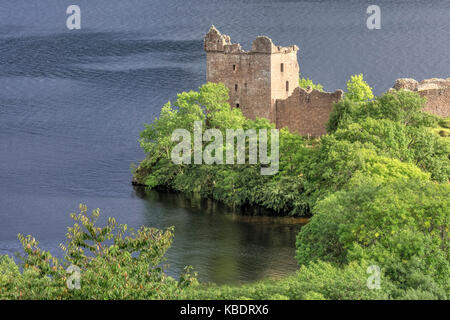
(72, 104)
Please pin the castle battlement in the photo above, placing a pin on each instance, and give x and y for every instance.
(255, 78)
(217, 42)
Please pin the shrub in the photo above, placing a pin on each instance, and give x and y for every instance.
(306, 82)
(319, 281)
(335, 162)
(402, 226)
(445, 122)
(112, 265)
(358, 90)
(343, 113)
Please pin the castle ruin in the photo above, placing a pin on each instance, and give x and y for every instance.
(436, 91)
(264, 83)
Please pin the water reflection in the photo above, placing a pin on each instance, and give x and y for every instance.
(223, 245)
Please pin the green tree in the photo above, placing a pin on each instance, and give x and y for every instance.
(343, 113)
(236, 184)
(400, 225)
(358, 90)
(395, 125)
(112, 264)
(306, 82)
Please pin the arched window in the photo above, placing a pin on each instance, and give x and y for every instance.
(287, 85)
(235, 87)
(237, 105)
(282, 67)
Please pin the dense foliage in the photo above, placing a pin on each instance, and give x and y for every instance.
(111, 265)
(376, 185)
(394, 126)
(306, 82)
(377, 188)
(400, 225)
(358, 90)
(318, 281)
(234, 184)
(386, 137)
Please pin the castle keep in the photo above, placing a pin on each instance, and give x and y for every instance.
(263, 82)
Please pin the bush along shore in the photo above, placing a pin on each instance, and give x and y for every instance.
(380, 140)
(376, 187)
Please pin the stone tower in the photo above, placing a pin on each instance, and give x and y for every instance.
(256, 78)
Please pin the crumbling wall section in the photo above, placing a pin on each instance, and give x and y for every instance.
(306, 111)
(436, 91)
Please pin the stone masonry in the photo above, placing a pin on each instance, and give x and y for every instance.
(307, 111)
(436, 91)
(263, 82)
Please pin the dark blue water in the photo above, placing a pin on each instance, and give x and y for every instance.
(72, 104)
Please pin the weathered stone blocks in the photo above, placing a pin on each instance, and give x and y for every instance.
(436, 91)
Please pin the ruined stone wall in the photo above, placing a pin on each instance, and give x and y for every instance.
(306, 111)
(436, 91)
(250, 94)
